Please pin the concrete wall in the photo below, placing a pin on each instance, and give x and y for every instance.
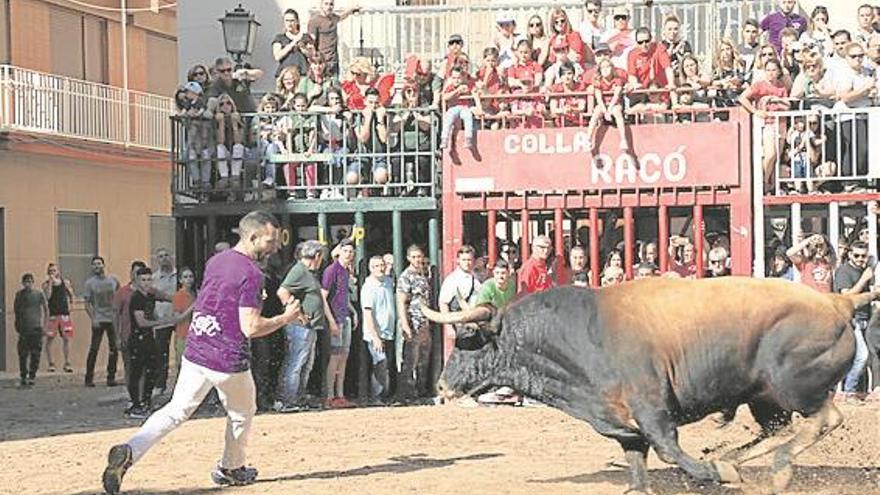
(36, 186)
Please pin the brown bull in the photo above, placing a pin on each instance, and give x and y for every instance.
(638, 360)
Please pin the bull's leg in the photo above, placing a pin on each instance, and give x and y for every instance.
(662, 432)
(636, 452)
(773, 420)
(817, 426)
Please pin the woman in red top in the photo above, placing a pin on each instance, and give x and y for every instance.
(539, 40)
(814, 259)
(568, 109)
(183, 301)
(767, 95)
(608, 91)
(560, 26)
(525, 77)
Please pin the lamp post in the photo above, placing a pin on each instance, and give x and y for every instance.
(239, 33)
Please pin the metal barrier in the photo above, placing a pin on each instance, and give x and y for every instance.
(397, 32)
(307, 155)
(38, 102)
(817, 150)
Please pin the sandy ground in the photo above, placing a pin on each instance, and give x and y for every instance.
(54, 438)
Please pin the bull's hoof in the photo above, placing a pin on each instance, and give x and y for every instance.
(727, 472)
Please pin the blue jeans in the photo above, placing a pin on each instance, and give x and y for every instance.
(860, 359)
(458, 112)
(298, 361)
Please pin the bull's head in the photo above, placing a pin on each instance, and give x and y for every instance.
(477, 331)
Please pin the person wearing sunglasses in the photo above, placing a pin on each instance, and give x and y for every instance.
(592, 30)
(854, 277)
(235, 83)
(561, 29)
(718, 262)
(649, 67)
(856, 88)
(621, 39)
(539, 40)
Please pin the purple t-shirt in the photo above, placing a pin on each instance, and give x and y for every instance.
(335, 281)
(215, 340)
(776, 21)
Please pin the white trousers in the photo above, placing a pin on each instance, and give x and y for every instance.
(237, 393)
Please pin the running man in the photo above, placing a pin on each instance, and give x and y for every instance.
(225, 316)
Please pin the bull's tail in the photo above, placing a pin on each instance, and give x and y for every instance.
(858, 300)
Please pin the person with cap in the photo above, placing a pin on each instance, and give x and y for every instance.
(193, 108)
(454, 50)
(592, 30)
(563, 55)
(621, 39)
(505, 38)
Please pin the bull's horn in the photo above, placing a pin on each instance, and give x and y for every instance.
(477, 314)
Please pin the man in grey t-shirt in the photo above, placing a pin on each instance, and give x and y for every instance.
(98, 296)
(855, 277)
(165, 285)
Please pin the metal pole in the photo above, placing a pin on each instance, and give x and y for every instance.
(594, 246)
(524, 222)
(491, 246)
(126, 110)
(698, 238)
(557, 230)
(323, 236)
(628, 241)
(663, 237)
(757, 199)
(871, 217)
(360, 244)
(434, 242)
(397, 241)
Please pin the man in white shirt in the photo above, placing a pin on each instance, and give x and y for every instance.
(459, 288)
(855, 88)
(591, 29)
(836, 61)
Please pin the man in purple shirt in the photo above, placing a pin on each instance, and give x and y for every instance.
(225, 316)
(780, 19)
(335, 290)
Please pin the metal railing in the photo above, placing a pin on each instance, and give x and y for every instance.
(817, 150)
(309, 155)
(397, 32)
(38, 102)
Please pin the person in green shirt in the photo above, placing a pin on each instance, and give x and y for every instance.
(498, 291)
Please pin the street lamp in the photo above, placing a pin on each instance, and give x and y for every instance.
(239, 32)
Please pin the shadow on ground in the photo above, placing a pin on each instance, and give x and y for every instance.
(395, 465)
(673, 481)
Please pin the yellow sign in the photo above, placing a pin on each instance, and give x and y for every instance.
(357, 234)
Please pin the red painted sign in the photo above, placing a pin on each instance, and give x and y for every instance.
(662, 155)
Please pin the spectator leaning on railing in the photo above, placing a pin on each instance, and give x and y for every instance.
(316, 83)
(235, 83)
(676, 46)
(749, 49)
(728, 73)
(192, 107)
(649, 67)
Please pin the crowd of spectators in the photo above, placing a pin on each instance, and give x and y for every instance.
(339, 126)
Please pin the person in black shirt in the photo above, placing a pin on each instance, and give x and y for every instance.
(855, 277)
(31, 312)
(268, 351)
(142, 344)
(286, 48)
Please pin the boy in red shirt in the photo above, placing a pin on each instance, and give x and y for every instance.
(458, 107)
(525, 77)
(564, 106)
(608, 91)
(490, 80)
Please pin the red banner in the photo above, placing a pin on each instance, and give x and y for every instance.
(662, 155)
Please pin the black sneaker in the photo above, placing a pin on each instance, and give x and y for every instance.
(234, 477)
(118, 461)
(137, 412)
(90, 384)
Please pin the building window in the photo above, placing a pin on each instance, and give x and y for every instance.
(78, 45)
(77, 243)
(162, 234)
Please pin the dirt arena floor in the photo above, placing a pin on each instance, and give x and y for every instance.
(53, 440)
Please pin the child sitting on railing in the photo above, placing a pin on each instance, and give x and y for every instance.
(608, 87)
(193, 108)
(458, 108)
(490, 81)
